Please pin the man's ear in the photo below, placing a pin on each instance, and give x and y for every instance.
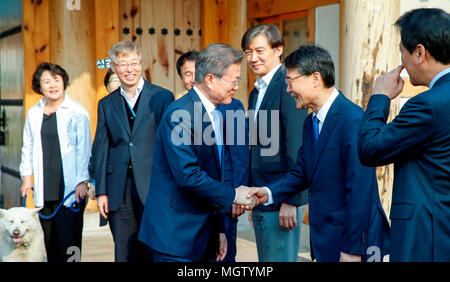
(419, 53)
(317, 78)
(278, 51)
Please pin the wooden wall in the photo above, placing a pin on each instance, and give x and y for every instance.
(164, 30)
(225, 21)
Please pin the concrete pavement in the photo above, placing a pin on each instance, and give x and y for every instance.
(98, 244)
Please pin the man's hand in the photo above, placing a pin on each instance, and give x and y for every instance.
(243, 199)
(260, 194)
(81, 191)
(288, 216)
(102, 205)
(223, 246)
(91, 191)
(390, 84)
(237, 211)
(349, 258)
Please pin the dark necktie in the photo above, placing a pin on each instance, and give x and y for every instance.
(315, 124)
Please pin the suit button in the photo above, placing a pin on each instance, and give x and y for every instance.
(310, 193)
(131, 144)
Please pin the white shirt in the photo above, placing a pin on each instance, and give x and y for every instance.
(210, 108)
(323, 111)
(261, 84)
(75, 144)
(132, 101)
(439, 75)
(321, 115)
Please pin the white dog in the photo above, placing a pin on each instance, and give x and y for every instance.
(21, 236)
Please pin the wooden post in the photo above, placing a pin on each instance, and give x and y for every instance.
(370, 48)
(73, 48)
(36, 41)
(225, 21)
(106, 35)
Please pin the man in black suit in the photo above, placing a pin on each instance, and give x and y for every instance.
(126, 128)
(417, 141)
(272, 110)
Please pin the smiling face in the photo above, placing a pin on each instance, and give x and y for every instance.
(128, 68)
(188, 74)
(301, 88)
(261, 57)
(52, 86)
(221, 90)
(15, 224)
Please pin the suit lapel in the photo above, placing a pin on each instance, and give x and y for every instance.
(327, 128)
(270, 91)
(117, 102)
(308, 145)
(143, 107)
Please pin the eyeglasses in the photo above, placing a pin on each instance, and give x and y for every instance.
(234, 83)
(289, 80)
(114, 80)
(133, 65)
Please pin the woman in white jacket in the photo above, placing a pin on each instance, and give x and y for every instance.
(55, 151)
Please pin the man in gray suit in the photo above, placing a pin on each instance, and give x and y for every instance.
(126, 130)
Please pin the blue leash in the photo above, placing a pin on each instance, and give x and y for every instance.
(72, 206)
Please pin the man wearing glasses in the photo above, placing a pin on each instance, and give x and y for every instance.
(347, 222)
(277, 227)
(126, 128)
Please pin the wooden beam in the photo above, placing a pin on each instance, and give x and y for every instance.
(36, 41)
(214, 22)
(264, 8)
(237, 19)
(72, 33)
(107, 32)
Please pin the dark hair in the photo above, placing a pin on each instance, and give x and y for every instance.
(272, 33)
(107, 77)
(188, 56)
(429, 27)
(54, 70)
(216, 59)
(309, 59)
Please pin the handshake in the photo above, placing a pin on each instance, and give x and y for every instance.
(249, 197)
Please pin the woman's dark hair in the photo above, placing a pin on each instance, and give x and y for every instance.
(54, 69)
(308, 59)
(429, 27)
(107, 77)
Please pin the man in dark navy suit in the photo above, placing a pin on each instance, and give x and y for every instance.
(125, 135)
(275, 137)
(236, 150)
(181, 220)
(347, 222)
(417, 141)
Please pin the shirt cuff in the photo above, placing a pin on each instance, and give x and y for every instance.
(269, 195)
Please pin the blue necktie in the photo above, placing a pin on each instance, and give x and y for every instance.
(315, 124)
(218, 133)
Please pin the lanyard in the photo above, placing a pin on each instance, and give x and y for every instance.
(131, 109)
